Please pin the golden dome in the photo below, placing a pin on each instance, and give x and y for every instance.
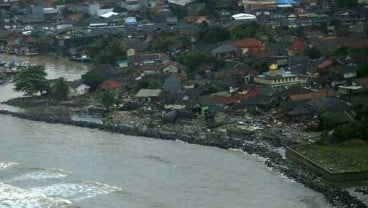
(273, 67)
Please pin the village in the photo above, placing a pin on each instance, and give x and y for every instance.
(283, 71)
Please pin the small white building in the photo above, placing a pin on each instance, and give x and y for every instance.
(78, 90)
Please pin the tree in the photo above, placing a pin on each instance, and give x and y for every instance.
(312, 53)
(32, 79)
(363, 71)
(150, 84)
(194, 59)
(213, 34)
(347, 3)
(167, 40)
(107, 50)
(92, 79)
(108, 99)
(245, 30)
(60, 89)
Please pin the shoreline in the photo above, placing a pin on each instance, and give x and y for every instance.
(334, 195)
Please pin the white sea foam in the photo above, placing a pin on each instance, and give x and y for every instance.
(75, 191)
(52, 173)
(14, 197)
(6, 165)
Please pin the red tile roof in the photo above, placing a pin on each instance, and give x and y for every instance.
(110, 84)
(297, 46)
(248, 43)
(325, 64)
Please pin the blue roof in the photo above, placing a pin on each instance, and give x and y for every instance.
(286, 1)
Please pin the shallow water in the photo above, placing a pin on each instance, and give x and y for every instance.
(52, 165)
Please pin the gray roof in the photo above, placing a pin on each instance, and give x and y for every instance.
(136, 44)
(225, 49)
(148, 93)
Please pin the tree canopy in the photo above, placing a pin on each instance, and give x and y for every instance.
(107, 50)
(60, 89)
(32, 79)
(108, 99)
(213, 34)
(92, 79)
(245, 30)
(167, 40)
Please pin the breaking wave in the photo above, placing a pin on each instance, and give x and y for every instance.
(52, 173)
(6, 165)
(75, 191)
(14, 197)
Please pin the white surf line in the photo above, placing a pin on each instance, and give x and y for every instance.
(6, 165)
(52, 173)
(76, 191)
(15, 197)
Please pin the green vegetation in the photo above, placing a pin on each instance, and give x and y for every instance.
(32, 79)
(107, 49)
(92, 79)
(347, 3)
(312, 53)
(342, 132)
(297, 32)
(213, 34)
(167, 39)
(195, 59)
(41, 42)
(108, 99)
(245, 30)
(338, 158)
(60, 89)
(330, 120)
(150, 84)
(363, 71)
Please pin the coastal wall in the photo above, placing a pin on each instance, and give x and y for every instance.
(295, 156)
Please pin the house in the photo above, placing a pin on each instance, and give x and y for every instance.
(171, 20)
(297, 47)
(259, 4)
(148, 93)
(347, 91)
(293, 90)
(298, 111)
(172, 68)
(310, 95)
(202, 19)
(341, 74)
(123, 63)
(186, 7)
(172, 84)
(130, 52)
(77, 88)
(226, 51)
(144, 59)
(361, 82)
(137, 45)
(249, 46)
(106, 71)
(358, 86)
(110, 85)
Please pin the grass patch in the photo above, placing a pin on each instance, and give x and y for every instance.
(347, 157)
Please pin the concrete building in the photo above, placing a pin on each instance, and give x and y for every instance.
(279, 78)
(131, 5)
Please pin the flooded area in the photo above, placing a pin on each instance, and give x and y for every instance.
(53, 165)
